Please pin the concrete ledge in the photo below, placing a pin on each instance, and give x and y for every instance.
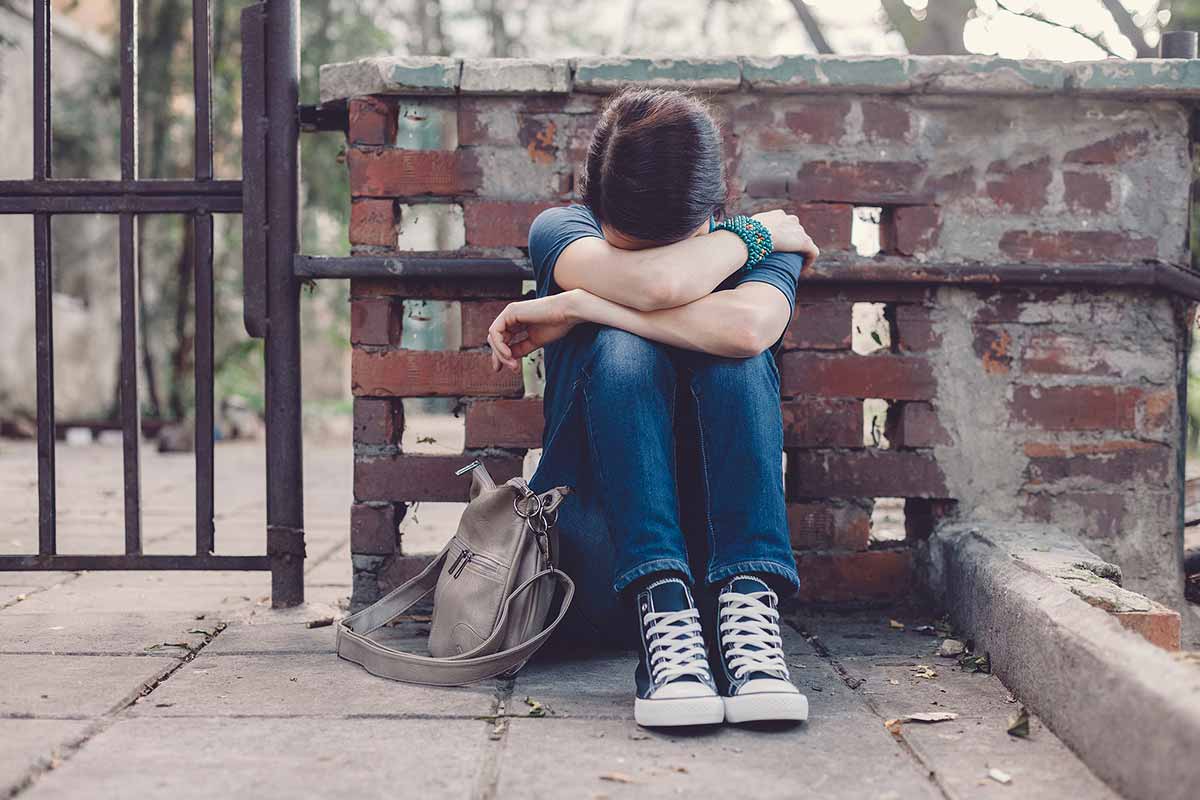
(515, 76)
(1128, 708)
(979, 75)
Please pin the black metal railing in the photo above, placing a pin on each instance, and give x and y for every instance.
(268, 205)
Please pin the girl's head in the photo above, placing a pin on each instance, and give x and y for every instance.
(654, 170)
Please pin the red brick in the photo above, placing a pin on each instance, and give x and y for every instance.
(819, 326)
(373, 222)
(1077, 247)
(830, 524)
(374, 321)
(430, 478)
(1087, 191)
(1112, 462)
(885, 375)
(430, 373)
(473, 114)
(914, 328)
(377, 420)
(1103, 513)
(537, 135)
(1159, 411)
(492, 223)
(504, 423)
(915, 424)
(407, 173)
(829, 224)
(994, 348)
(813, 292)
(885, 121)
(912, 230)
(816, 122)
(1022, 188)
(1066, 354)
(876, 575)
(477, 317)
(822, 422)
(863, 473)
(400, 569)
(372, 121)
(436, 288)
(1160, 625)
(1075, 408)
(373, 530)
(959, 182)
(768, 186)
(1112, 150)
(1007, 305)
(859, 182)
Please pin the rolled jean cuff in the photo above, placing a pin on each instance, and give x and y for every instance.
(785, 572)
(657, 565)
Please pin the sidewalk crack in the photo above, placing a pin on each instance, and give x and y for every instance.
(489, 769)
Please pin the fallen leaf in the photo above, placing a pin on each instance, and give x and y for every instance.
(893, 682)
(928, 630)
(951, 648)
(536, 709)
(1018, 724)
(895, 625)
(638, 737)
(930, 716)
(617, 777)
(970, 663)
(498, 729)
(893, 726)
(999, 776)
(924, 671)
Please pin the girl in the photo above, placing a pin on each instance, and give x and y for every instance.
(658, 317)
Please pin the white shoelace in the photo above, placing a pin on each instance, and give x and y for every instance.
(676, 645)
(750, 634)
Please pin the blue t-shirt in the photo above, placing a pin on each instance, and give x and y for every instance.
(555, 228)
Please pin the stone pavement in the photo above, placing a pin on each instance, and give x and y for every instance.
(188, 684)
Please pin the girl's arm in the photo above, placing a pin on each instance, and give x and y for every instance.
(736, 323)
(654, 278)
(671, 275)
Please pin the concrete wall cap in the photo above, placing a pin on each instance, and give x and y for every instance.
(871, 74)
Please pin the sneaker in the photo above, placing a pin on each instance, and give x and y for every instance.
(752, 673)
(674, 683)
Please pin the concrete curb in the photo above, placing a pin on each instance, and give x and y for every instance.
(1129, 709)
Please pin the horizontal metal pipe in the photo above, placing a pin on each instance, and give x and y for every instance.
(83, 187)
(71, 563)
(1166, 277)
(121, 204)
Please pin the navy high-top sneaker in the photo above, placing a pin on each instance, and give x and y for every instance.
(674, 683)
(752, 672)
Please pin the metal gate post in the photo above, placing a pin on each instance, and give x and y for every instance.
(285, 481)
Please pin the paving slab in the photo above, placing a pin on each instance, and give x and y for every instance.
(272, 758)
(829, 757)
(886, 665)
(164, 592)
(115, 634)
(303, 685)
(31, 744)
(74, 686)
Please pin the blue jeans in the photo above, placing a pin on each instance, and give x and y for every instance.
(676, 461)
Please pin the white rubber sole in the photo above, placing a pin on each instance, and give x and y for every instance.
(673, 711)
(764, 706)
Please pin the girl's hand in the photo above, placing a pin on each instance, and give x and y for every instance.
(788, 235)
(526, 325)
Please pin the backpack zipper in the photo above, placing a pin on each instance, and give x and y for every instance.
(464, 557)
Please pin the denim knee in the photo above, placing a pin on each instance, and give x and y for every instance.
(626, 360)
(714, 373)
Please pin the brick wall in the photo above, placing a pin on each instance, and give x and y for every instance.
(1057, 403)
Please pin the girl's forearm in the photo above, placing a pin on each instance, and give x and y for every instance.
(654, 278)
(733, 324)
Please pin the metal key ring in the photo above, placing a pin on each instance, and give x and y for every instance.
(517, 501)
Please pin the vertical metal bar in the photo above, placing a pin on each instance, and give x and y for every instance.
(131, 423)
(285, 484)
(202, 87)
(43, 284)
(130, 411)
(1178, 44)
(203, 269)
(129, 125)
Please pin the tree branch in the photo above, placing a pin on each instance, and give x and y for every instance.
(1095, 39)
(1128, 28)
(812, 26)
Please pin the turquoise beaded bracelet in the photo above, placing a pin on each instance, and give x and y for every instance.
(753, 233)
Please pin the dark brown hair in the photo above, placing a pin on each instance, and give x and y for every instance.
(654, 167)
